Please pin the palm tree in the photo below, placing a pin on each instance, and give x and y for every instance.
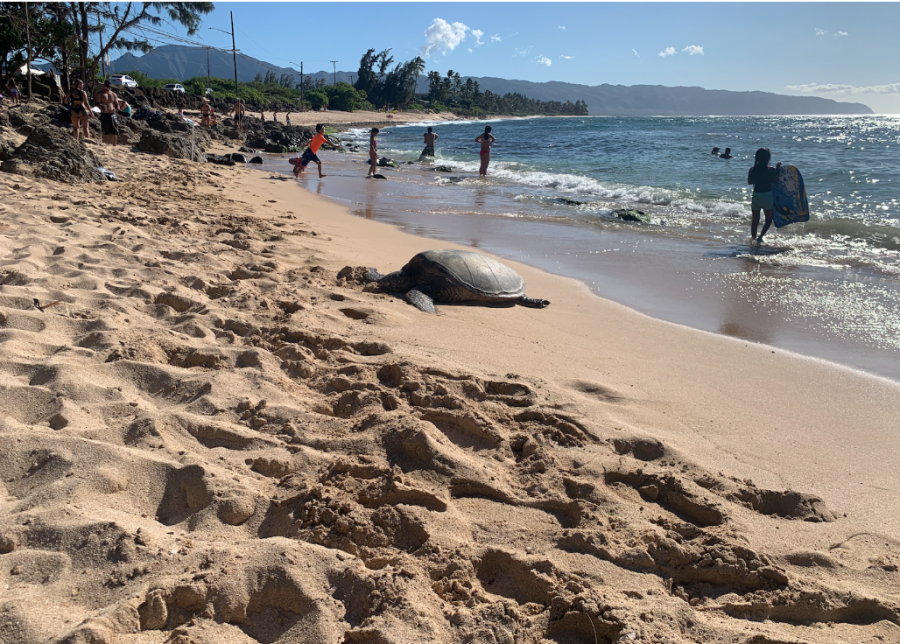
(418, 66)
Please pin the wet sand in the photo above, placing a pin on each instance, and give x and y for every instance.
(717, 287)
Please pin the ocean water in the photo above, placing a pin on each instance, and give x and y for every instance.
(829, 288)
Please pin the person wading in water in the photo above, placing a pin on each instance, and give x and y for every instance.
(486, 140)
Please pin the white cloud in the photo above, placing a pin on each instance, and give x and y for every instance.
(831, 88)
(668, 51)
(842, 33)
(470, 50)
(543, 60)
(478, 33)
(821, 32)
(635, 52)
(443, 36)
(693, 50)
(523, 52)
(496, 38)
(561, 27)
(564, 57)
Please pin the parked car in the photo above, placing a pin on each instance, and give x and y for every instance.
(175, 87)
(121, 80)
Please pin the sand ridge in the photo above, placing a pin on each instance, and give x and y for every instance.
(205, 436)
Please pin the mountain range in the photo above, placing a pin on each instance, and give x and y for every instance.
(183, 62)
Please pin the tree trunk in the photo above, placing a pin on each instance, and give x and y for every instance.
(83, 41)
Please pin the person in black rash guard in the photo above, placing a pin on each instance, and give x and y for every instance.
(761, 176)
(726, 154)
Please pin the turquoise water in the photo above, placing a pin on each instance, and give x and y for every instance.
(829, 288)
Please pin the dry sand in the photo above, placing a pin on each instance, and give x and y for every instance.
(206, 437)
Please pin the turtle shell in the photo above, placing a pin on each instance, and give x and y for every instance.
(475, 272)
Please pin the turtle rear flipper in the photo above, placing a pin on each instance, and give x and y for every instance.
(421, 301)
(533, 303)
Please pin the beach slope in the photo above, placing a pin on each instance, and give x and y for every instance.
(206, 436)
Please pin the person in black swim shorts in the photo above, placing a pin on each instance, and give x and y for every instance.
(107, 101)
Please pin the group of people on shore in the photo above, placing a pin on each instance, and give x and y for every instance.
(106, 101)
(486, 140)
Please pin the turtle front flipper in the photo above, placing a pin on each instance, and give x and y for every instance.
(533, 303)
(421, 301)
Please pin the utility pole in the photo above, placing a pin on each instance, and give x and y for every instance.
(208, 81)
(334, 72)
(234, 54)
(351, 79)
(28, 41)
(100, 35)
(301, 82)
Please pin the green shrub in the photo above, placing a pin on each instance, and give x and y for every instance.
(317, 99)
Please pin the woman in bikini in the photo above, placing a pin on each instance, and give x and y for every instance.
(80, 110)
(486, 140)
(373, 152)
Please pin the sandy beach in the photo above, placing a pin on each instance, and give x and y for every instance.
(207, 437)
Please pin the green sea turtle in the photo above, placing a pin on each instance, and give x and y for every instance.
(455, 276)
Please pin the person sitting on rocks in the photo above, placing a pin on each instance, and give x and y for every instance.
(106, 100)
(80, 110)
(123, 109)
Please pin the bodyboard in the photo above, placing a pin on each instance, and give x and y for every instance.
(789, 193)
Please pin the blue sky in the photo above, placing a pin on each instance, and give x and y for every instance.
(845, 51)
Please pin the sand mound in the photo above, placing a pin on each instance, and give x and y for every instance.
(197, 446)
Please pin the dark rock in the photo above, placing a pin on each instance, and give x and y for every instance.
(52, 153)
(172, 145)
(632, 214)
(170, 123)
(571, 202)
(219, 159)
(256, 160)
(247, 150)
(238, 158)
(256, 141)
(6, 149)
(443, 168)
(230, 132)
(275, 148)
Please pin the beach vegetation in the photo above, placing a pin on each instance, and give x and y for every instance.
(317, 99)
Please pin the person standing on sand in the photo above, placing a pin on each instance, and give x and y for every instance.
(108, 102)
(239, 110)
(80, 109)
(287, 119)
(430, 138)
(486, 140)
(373, 152)
(13, 91)
(761, 177)
(310, 153)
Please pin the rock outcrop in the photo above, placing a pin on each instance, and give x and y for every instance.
(172, 145)
(51, 152)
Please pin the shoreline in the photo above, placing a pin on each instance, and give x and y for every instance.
(764, 376)
(229, 444)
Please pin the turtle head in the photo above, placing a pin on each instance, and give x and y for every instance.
(396, 282)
